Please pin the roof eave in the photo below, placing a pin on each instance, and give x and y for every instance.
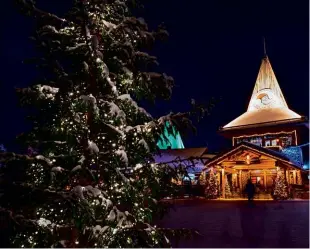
(302, 119)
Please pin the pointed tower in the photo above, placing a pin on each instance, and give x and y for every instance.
(267, 103)
(267, 115)
(266, 82)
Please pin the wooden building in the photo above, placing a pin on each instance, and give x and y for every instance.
(192, 159)
(265, 139)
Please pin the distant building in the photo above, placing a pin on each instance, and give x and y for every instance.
(192, 159)
(173, 153)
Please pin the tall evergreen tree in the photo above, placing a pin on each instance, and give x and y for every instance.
(92, 181)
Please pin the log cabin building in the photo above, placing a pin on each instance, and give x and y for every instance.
(265, 139)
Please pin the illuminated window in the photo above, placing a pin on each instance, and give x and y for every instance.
(286, 141)
(257, 141)
(269, 139)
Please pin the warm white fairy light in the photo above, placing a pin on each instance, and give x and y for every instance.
(74, 124)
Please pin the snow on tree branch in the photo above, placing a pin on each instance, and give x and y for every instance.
(115, 110)
(123, 155)
(92, 147)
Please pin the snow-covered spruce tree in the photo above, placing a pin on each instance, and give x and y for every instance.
(92, 182)
(280, 191)
(211, 190)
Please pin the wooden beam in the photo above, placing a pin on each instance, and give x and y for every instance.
(218, 178)
(253, 167)
(265, 179)
(299, 180)
(262, 162)
(263, 157)
(240, 180)
(229, 163)
(230, 170)
(223, 183)
(294, 176)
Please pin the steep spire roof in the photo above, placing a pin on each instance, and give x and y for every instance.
(267, 102)
(266, 80)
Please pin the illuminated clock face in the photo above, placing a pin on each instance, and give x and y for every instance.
(264, 99)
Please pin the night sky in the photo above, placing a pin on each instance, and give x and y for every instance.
(214, 50)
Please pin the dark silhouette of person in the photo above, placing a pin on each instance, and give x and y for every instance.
(250, 190)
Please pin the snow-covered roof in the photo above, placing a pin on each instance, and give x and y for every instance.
(305, 155)
(266, 80)
(267, 103)
(264, 116)
(190, 156)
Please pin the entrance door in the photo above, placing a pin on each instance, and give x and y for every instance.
(258, 181)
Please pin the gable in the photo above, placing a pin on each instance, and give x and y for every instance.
(242, 156)
(249, 154)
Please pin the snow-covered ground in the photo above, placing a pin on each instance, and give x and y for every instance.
(235, 224)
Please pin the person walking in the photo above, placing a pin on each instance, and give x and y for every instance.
(250, 190)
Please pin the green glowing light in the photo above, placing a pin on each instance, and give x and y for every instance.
(170, 140)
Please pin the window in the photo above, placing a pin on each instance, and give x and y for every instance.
(271, 139)
(274, 142)
(286, 141)
(256, 140)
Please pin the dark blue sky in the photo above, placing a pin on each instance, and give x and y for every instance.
(214, 50)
